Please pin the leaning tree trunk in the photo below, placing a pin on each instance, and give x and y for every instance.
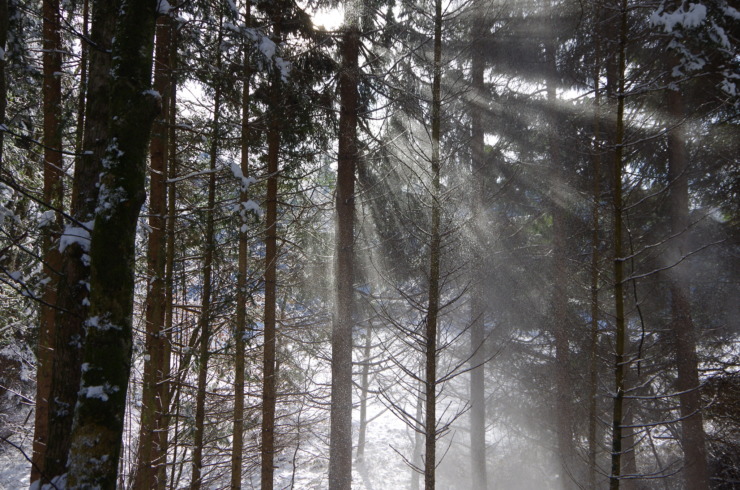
(430, 421)
(46, 408)
(98, 416)
(340, 446)
(154, 408)
(696, 474)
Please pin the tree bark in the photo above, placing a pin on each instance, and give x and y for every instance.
(54, 197)
(620, 366)
(340, 447)
(205, 313)
(270, 276)
(98, 417)
(3, 82)
(154, 408)
(696, 474)
(73, 292)
(237, 447)
(430, 421)
(595, 273)
(563, 386)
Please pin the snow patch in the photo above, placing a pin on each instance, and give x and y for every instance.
(79, 235)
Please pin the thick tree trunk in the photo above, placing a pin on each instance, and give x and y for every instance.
(52, 259)
(237, 447)
(73, 293)
(430, 421)
(695, 470)
(154, 408)
(340, 447)
(98, 416)
(620, 366)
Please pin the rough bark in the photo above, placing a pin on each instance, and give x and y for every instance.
(695, 470)
(53, 196)
(154, 408)
(340, 446)
(98, 418)
(430, 421)
(73, 292)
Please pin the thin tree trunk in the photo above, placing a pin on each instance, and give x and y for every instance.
(430, 422)
(205, 315)
(165, 387)
(364, 391)
(99, 413)
(54, 197)
(271, 254)
(563, 387)
(153, 406)
(237, 447)
(594, 323)
(3, 82)
(340, 447)
(696, 474)
(477, 333)
(620, 366)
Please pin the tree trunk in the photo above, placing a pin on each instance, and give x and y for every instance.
(477, 332)
(98, 416)
(430, 421)
(340, 447)
(237, 447)
(563, 387)
(154, 408)
(364, 394)
(620, 366)
(271, 255)
(166, 388)
(594, 322)
(54, 198)
(3, 82)
(696, 474)
(73, 292)
(205, 314)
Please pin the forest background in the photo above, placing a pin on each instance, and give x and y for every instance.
(458, 244)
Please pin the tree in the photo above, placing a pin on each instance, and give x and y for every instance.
(98, 415)
(340, 452)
